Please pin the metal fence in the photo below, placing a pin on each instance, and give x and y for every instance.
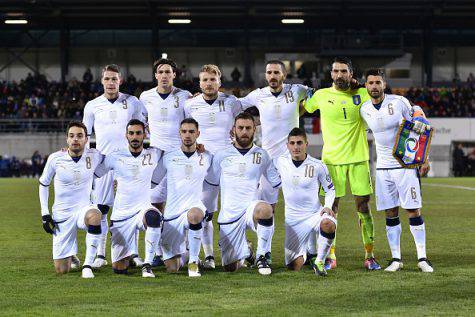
(33, 125)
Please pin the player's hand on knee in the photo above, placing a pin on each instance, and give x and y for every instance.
(48, 224)
(420, 125)
(200, 148)
(328, 211)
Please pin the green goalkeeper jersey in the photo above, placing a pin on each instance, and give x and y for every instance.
(343, 129)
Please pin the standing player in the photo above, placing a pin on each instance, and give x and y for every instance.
(302, 176)
(73, 173)
(215, 112)
(163, 109)
(345, 149)
(237, 170)
(395, 186)
(184, 212)
(279, 109)
(133, 168)
(109, 114)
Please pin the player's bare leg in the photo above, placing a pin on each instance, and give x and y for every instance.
(418, 231)
(92, 219)
(62, 266)
(297, 264)
(367, 231)
(121, 266)
(263, 219)
(195, 224)
(174, 264)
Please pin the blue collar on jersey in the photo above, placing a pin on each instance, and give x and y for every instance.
(164, 96)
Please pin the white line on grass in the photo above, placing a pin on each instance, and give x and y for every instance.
(450, 186)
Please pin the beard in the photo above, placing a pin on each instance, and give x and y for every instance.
(244, 142)
(135, 144)
(342, 83)
(376, 94)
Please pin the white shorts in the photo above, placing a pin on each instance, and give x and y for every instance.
(397, 187)
(123, 234)
(297, 233)
(174, 233)
(159, 193)
(232, 236)
(103, 193)
(267, 192)
(210, 197)
(65, 242)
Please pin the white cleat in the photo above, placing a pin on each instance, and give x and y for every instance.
(193, 270)
(87, 272)
(209, 263)
(75, 263)
(396, 265)
(425, 266)
(262, 266)
(137, 261)
(147, 271)
(99, 262)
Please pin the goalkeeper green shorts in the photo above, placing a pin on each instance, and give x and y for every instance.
(358, 175)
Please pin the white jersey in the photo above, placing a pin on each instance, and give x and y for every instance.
(134, 178)
(72, 181)
(185, 177)
(164, 117)
(215, 120)
(278, 115)
(300, 186)
(385, 123)
(238, 176)
(109, 120)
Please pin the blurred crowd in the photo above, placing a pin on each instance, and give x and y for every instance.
(27, 167)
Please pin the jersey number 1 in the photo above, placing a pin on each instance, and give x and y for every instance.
(344, 113)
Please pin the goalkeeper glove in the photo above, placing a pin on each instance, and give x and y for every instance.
(48, 224)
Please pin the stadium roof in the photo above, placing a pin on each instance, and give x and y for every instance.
(335, 14)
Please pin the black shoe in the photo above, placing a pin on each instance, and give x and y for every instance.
(263, 266)
(268, 258)
(157, 261)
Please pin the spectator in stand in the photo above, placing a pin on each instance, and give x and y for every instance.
(459, 160)
(235, 74)
(36, 164)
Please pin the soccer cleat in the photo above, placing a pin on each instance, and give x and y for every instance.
(75, 262)
(371, 265)
(394, 265)
(250, 260)
(157, 261)
(193, 270)
(318, 267)
(99, 262)
(330, 264)
(425, 266)
(263, 266)
(308, 259)
(87, 272)
(268, 256)
(208, 263)
(147, 270)
(136, 261)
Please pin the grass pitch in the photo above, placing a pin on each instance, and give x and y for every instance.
(29, 285)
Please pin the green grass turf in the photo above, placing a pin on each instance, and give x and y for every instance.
(29, 286)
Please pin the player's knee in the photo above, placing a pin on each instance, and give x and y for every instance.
(173, 265)
(61, 269)
(264, 211)
(297, 264)
(120, 267)
(412, 213)
(195, 216)
(93, 217)
(233, 267)
(362, 203)
(103, 208)
(392, 213)
(153, 219)
(327, 225)
(159, 206)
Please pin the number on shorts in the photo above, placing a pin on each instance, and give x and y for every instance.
(88, 163)
(147, 159)
(413, 193)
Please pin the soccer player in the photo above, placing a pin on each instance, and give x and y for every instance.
(279, 108)
(73, 173)
(109, 114)
(302, 176)
(345, 149)
(134, 169)
(237, 170)
(215, 112)
(185, 170)
(395, 186)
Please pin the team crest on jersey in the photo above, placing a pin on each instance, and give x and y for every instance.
(356, 99)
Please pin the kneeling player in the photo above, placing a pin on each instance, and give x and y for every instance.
(302, 176)
(184, 212)
(133, 169)
(395, 186)
(237, 170)
(73, 173)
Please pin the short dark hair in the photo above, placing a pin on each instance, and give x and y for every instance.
(297, 132)
(375, 72)
(244, 116)
(111, 68)
(344, 60)
(190, 120)
(78, 124)
(277, 62)
(135, 122)
(164, 61)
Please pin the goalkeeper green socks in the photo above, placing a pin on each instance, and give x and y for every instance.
(367, 233)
